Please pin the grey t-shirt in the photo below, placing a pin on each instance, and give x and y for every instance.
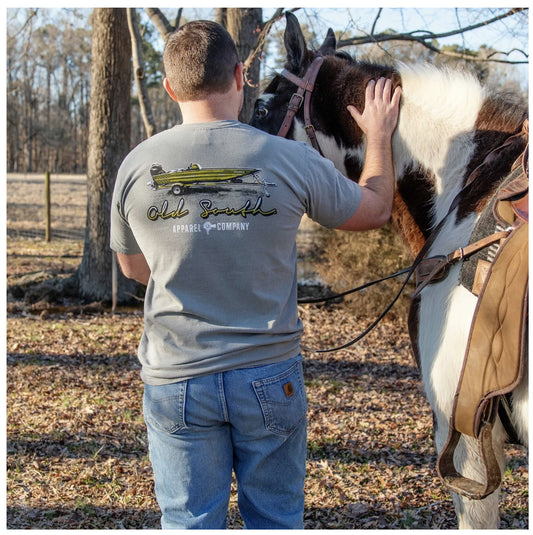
(215, 209)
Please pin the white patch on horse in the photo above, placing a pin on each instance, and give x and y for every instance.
(437, 301)
(446, 310)
(436, 126)
(520, 402)
(265, 98)
(329, 147)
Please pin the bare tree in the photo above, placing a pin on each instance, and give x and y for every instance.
(48, 68)
(428, 39)
(47, 90)
(424, 37)
(109, 142)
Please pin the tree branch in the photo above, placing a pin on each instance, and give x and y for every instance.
(138, 72)
(177, 20)
(425, 37)
(160, 22)
(509, 13)
(261, 38)
(380, 10)
(488, 59)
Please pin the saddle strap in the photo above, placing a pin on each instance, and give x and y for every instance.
(434, 267)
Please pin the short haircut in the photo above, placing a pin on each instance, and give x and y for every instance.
(199, 59)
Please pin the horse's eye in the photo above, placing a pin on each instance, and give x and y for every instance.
(261, 112)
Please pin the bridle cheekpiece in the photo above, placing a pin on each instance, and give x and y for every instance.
(306, 86)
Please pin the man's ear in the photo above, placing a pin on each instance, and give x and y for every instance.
(239, 70)
(168, 89)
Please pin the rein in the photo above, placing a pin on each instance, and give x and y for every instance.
(307, 301)
(437, 264)
(306, 86)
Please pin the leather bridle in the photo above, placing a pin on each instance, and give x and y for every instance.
(306, 86)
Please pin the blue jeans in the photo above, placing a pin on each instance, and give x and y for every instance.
(252, 421)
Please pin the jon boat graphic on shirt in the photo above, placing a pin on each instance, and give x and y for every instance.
(225, 193)
(181, 179)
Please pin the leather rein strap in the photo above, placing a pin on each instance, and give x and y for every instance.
(306, 86)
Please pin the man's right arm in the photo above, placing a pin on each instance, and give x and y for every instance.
(378, 122)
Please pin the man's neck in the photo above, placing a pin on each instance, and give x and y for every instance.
(207, 111)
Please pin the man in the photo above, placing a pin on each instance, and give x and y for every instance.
(215, 243)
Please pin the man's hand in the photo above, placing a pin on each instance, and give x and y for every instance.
(378, 122)
(380, 114)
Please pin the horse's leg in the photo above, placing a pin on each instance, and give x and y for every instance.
(484, 513)
(520, 403)
(444, 315)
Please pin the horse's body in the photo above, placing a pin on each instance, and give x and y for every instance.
(448, 124)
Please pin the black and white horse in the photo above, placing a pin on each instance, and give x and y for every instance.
(448, 125)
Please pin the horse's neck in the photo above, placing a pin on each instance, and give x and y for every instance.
(436, 128)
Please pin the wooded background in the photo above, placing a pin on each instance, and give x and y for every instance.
(49, 62)
(84, 87)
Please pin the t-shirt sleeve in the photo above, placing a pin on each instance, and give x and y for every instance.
(333, 198)
(122, 239)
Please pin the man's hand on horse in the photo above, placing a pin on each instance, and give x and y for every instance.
(380, 114)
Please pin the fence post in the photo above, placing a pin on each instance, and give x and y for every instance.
(47, 234)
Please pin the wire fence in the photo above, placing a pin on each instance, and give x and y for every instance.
(26, 206)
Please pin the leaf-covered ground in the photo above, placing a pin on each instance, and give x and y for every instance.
(76, 444)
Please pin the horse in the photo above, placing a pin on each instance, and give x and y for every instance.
(454, 144)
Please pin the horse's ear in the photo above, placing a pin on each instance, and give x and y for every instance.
(329, 45)
(294, 43)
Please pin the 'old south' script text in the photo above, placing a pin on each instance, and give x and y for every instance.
(208, 209)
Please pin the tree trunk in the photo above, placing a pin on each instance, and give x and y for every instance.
(109, 135)
(244, 25)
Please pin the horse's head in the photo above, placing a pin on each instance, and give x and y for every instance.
(270, 109)
(340, 81)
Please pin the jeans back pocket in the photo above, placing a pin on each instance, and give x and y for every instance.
(282, 399)
(164, 406)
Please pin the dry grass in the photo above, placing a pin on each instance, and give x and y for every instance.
(348, 260)
(26, 216)
(77, 455)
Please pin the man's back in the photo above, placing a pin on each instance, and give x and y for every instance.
(222, 250)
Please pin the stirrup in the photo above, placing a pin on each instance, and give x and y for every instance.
(464, 486)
